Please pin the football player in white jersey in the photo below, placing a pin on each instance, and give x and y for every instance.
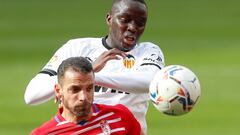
(123, 67)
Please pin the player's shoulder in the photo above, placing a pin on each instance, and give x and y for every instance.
(148, 48)
(44, 127)
(78, 45)
(122, 107)
(87, 40)
(118, 108)
(148, 45)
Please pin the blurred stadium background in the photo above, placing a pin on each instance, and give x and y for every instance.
(203, 35)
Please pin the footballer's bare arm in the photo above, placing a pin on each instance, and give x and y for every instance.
(113, 54)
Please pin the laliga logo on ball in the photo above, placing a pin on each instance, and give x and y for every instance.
(175, 90)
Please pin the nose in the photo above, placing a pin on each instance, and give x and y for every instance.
(82, 95)
(132, 27)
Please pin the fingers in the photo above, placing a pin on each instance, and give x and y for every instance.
(113, 54)
(116, 52)
(112, 57)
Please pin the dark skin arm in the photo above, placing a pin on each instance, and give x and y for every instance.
(101, 61)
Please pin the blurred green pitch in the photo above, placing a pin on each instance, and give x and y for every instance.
(202, 35)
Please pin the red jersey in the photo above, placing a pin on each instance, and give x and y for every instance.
(105, 120)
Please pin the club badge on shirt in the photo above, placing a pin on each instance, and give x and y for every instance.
(129, 61)
(105, 127)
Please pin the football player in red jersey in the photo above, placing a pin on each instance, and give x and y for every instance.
(77, 114)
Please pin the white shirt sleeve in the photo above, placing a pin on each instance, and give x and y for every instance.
(135, 81)
(41, 88)
(132, 82)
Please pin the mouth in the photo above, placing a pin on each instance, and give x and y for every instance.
(130, 40)
(82, 107)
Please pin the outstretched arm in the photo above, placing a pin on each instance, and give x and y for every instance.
(132, 82)
(41, 88)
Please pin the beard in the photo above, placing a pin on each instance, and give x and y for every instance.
(80, 109)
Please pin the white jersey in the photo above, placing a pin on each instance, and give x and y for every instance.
(114, 82)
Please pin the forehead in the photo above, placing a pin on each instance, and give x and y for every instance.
(72, 76)
(129, 7)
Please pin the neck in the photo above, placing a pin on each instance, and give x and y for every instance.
(108, 42)
(69, 116)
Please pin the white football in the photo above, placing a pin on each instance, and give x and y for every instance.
(174, 90)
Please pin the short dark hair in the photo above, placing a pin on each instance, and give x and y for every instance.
(141, 1)
(115, 3)
(78, 64)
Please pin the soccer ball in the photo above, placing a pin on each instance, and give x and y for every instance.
(174, 90)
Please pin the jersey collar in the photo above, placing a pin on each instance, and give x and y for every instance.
(104, 42)
(58, 117)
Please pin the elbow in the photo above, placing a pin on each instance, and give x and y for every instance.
(33, 97)
(29, 100)
(39, 90)
(31, 93)
(36, 99)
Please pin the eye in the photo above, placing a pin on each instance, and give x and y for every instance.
(90, 88)
(140, 22)
(74, 89)
(124, 20)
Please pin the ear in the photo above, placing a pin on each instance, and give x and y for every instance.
(58, 91)
(108, 19)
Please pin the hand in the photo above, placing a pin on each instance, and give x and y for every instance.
(113, 54)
